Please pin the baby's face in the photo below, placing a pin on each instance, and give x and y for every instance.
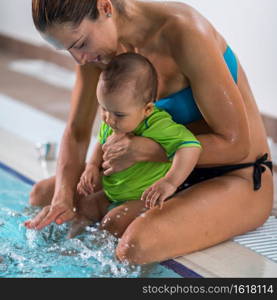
(121, 111)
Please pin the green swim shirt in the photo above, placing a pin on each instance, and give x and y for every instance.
(130, 183)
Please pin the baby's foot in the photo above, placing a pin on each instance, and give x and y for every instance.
(78, 226)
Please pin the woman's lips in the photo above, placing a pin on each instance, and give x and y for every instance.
(99, 60)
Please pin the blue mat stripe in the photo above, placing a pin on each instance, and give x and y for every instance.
(180, 269)
(16, 174)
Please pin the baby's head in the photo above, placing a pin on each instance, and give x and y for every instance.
(126, 91)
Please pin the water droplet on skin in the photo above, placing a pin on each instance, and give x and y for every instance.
(118, 216)
(126, 208)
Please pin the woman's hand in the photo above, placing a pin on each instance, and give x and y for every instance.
(90, 180)
(58, 212)
(118, 153)
(157, 193)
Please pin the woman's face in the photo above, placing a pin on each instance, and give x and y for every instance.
(93, 41)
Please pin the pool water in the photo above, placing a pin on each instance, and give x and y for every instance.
(26, 253)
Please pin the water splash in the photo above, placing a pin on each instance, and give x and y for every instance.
(26, 253)
(48, 253)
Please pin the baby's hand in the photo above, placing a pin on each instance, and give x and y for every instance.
(157, 193)
(89, 181)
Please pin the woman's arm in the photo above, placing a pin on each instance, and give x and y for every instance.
(78, 131)
(217, 97)
(123, 150)
(74, 145)
(96, 158)
(148, 150)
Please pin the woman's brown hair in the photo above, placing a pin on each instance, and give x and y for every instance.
(49, 12)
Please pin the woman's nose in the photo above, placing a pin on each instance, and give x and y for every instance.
(78, 56)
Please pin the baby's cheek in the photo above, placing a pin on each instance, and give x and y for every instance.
(124, 125)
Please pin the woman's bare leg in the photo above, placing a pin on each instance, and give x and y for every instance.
(204, 215)
(42, 192)
(91, 208)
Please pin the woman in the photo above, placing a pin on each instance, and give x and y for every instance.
(202, 84)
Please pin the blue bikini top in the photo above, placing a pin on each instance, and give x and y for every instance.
(181, 105)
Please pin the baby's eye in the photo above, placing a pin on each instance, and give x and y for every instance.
(120, 116)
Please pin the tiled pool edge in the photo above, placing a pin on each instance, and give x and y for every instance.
(177, 267)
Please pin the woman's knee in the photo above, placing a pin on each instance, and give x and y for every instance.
(133, 249)
(138, 243)
(35, 195)
(42, 193)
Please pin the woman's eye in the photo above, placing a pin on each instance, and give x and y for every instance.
(120, 116)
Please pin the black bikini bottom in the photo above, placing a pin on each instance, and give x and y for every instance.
(202, 174)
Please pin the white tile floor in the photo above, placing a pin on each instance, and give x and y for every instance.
(18, 139)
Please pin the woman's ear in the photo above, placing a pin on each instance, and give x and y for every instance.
(149, 108)
(104, 7)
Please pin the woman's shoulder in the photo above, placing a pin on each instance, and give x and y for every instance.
(187, 32)
(184, 25)
(185, 17)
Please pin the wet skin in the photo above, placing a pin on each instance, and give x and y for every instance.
(231, 132)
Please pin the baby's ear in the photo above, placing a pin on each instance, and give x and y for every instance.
(149, 108)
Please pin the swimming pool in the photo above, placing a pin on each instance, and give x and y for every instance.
(47, 253)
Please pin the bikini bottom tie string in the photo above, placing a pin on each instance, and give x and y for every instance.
(259, 168)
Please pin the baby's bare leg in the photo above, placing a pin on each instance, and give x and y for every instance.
(118, 219)
(90, 209)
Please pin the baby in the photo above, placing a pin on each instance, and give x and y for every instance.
(126, 93)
